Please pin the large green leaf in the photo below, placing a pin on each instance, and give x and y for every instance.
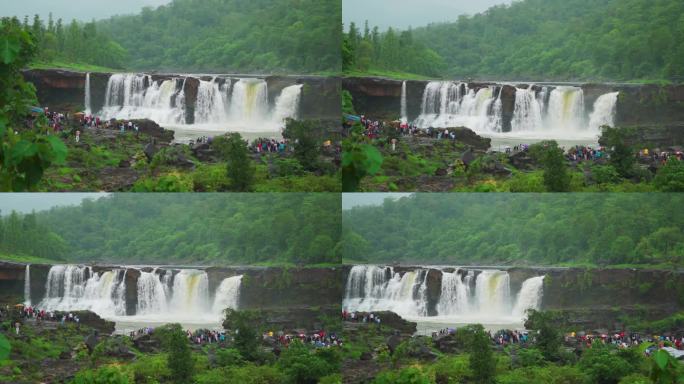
(58, 148)
(21, 150)
(661, 358)
(5, 347)
(9, 48)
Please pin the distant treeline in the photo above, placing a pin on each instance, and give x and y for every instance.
(518, 229)
(219, 229)
(76, 42)
(233, 35)
(545, 40)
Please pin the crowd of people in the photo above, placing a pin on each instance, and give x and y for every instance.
(624, 339)
(361, 317)
(90, 121)
(263, 145)
(318, 339)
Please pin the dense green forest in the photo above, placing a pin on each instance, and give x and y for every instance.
(518, 229)
(23, 235)
(388, 51)
(75, 43)
(543, 40)
(180, 228)
(232, 35)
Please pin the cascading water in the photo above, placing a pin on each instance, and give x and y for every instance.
(249, 102)
(604, 111)
(190, 292)
(549, 111)
(530, 296)
(287, 104)
(73, 287)
(566, 109)
(466, 294)
(27, 285)
(527, 114)
(88, 108)
(210, 108)
(152, 297)
(404, 113)
(372, 288)
(227, 294)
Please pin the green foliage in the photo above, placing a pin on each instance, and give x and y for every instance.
(5, 347)
(347, 103)
(563, 40)
(150, 369)
(605, 174)
(102, 375)
(239, 165)
(25, 153)
(179, 359)
(358, 161)
(302, 365)
(219, 36)
(172, 182)
(552, 159)
(169, 156)
(604, 365)
(246, 328)
(451, 369)
(222, 229)
(522, 229)
(530, 357)
(229, 357)
(306, 144)
(410, 375)
(481, 361)
(665, 369)
(547, 338)
(621, 155)
(670, 178)
(550, 374)
(246, 374)
(388, 51)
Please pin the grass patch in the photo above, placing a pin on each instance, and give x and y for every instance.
(71, 66)
(27, 259)
(385, 74)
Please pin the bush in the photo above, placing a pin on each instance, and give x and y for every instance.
(551, 374)
(172, 182)
(301, 366)
(530, 357)
(210, 178)
(605, 174)
(171, 156)
(150, 369)
(451, 369)
(103, 375)
(604, 365)
(247, 374)
(409, 375)
(228, 357)
(288, 167)
(670, 178)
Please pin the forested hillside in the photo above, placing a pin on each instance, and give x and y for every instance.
(208, 228)
(232, 35)
(523, 229)
(549, 40)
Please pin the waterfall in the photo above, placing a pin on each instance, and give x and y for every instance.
(448, 104)
(152, 298)
(136, 96)
(372, 288)
(455, 295)
(566, 109)
(190, 292)
(466, 294)
(287, 104)
(74, 287)
(249, 101)
(88, 108)
(604, 111)
(27, 285)
(527, 114)
(210, 106)
(404, 114)
(227, 294)
(530, 296)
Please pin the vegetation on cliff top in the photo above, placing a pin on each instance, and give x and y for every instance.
(518, 229)
(537, 40)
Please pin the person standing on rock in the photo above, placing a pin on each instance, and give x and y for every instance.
(16, 327)
(78, 136)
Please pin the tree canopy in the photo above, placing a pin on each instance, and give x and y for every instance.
(518, 229)
(550, 40)
(225, 229)
(232, 35)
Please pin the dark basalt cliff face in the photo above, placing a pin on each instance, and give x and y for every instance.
(65, 91)
(657, 112)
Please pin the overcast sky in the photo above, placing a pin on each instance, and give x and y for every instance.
(27, 202)
(415, 13)
(84, 10)
(351, 200)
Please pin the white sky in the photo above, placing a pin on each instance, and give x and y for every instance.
(351, 200)
(83, 10)
(27, 202)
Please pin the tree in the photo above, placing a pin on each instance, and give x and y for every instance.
(547, 337)
(246, 328)
(25, 153)
(301, 365)
(239, 164)
(179, 359)
(552, 159)
(670, 178)
(303, 134)
(481, 360)
(621, 156)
